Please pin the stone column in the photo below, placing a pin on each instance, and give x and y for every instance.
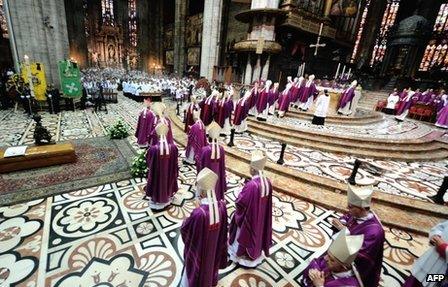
(144, 33)
(43, 41)
(179, 36)
(248, 73)
(210, 37)
(76, 31)
(265, 71)
(257, 69)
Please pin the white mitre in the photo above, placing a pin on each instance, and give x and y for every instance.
(214, 130)
(206, 179)
(346, 247)
(258, 160)
(158, 108)
(161, 129)
(360, 196)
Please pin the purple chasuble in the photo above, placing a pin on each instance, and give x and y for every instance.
(241, 111)
(154, 138)
(253, 217)
(220, 115)
(189, 121)
(208, 106)
(197, 139)
(229, 109)
(273, 96)
(205, 250)
(403, 105)
(347, 97)
(442, 117)
(145, 126)
(284, 101)
(330, 279)
(162, 172)
(262, 102)
(218, 166)
(426, 98)
(307, 92)
(370, 258)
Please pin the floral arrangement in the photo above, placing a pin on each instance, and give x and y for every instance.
(118, 131)
(139, 167)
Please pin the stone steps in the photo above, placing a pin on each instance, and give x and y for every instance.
(342, 120)
(403, 151)
(408, 214)
(370, 99)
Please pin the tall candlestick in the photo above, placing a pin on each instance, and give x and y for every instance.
(343, 72)
(303, 69)
(337, 71)
(349, 73)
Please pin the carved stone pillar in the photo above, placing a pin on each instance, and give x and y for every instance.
(179, 36)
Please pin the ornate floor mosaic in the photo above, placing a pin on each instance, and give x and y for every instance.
(107, 236)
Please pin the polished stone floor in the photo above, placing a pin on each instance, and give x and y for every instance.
(107, 235)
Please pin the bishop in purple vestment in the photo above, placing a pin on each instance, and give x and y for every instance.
(197, 139)
(208, 107)
(250, 235)
(344, 105)
(213, 157)
(284, 99)
(193, 106)
(308, 94)
(361, 220)
(273, 98)
(204, 234)
(162, 170)
(240, 114)
(263, 102)
(159, 109)
(336, 269)
(145, 125)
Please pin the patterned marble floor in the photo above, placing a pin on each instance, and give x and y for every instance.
(107, 235)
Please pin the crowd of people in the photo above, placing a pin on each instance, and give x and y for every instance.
(401, 103)
(355, 256)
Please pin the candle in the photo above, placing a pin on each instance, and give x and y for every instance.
(337, 71)
(349, 73)
(343, 72)
(303, 69)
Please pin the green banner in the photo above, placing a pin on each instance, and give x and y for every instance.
(70, 79)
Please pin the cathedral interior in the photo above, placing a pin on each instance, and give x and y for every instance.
(79, 77)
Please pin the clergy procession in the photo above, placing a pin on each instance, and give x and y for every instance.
(227, 143)
(355, 256)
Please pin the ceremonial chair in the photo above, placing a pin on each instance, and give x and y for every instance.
(380, 105)
(412, 112)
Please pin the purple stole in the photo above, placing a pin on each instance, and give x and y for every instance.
(162, 172)
(253, 215)
(205, 250)
(330, 280)
(370, 257)
(145, 126)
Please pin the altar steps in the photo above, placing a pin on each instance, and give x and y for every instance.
(409, 150)
(409, 214)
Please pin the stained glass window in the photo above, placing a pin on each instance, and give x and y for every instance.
(3, 26)
(389, 17)
(132, 7)
(436, 53)
(107, 11)
(360, 31)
